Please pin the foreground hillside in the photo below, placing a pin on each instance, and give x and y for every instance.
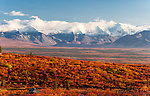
(26, 71)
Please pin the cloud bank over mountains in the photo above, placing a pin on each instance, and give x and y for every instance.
(46, 27)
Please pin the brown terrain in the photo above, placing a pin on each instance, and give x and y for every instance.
(115, 55)
(14, 43)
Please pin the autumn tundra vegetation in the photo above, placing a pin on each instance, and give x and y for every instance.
(68, 77)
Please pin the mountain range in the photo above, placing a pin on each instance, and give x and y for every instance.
(141, 39)
(32, 37)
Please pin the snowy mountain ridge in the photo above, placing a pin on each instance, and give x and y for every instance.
(47, 27)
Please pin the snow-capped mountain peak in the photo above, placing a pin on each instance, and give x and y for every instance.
(47, 27)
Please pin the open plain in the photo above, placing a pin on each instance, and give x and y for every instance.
(113, 55)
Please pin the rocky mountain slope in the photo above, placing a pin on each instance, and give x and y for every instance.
(30, 37)
(141, 39)
(59, 39)
(35, 38)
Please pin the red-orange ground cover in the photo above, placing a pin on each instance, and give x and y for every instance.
(25, 71)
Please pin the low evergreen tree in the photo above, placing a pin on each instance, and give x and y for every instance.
(55, 83)
(31, 54)
(68, 85)
(147, 77)
(0, 49)
(2, 83)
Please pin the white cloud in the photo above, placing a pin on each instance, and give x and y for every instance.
(46, 27)
(35, 17)
(11, 25)
(133, 29)
(15, 13)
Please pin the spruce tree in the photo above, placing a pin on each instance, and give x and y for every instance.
(31, 54)
(147, 77)
(55, 83)
(68, 85)
(2, 83)
(0, 49)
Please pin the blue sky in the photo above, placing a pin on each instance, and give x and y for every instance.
(136, 12)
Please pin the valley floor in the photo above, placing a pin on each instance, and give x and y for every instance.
(116, 55)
